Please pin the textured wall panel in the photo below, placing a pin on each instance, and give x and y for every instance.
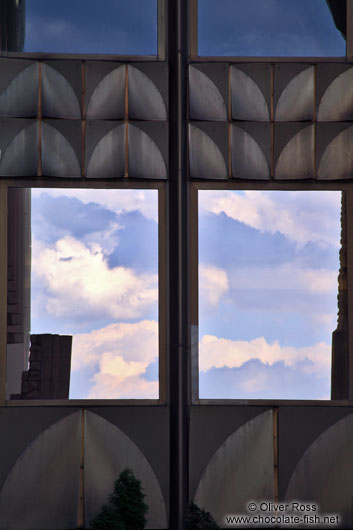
(206, 158)
(241, 470)
(19, 94)
(41, 491)
(296, 160)
(206, 101)
(108, 451)
(296, 102)
(107, 101)
(18, 148)
(59, 98)
(59, 156)
(145, 100)
(324, 475)
(107, 158)
(145, 157)
(248, 101)
(337, 159)
(248, 159)
(337, 101)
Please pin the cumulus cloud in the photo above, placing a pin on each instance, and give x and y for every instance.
(220, 352)
(302, 216)
(74, 280)
(213, 283)
(119, 354)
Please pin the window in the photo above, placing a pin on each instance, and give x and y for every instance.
(94, 277)
(268, 294)
(267, 28)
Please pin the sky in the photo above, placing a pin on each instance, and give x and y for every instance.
(225, 27)
(268, 267)
(78, 26)
(95, 276)
(268, 294)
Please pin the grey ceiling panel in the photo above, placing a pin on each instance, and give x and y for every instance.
(18, 148)
(206, 101)
(205, 157)
(59, 158)
(107, 101)
(145, 157)
(248, 101)
(59, 98)
(145, 100)
(107, 158)
(296, 160)
(296, 102)
(20, 97)
(248, 159)
(336, 103)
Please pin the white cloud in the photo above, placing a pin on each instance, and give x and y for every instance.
(213, 284)
(286, 276)
(77, 281)
(219, 352)
(121, 353)
(145, 201)
(302, 216)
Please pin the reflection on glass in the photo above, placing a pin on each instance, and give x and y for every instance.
(78, 26)
(94, 276)
(268, 293)
(268, 28)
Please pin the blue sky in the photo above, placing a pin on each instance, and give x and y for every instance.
(95, 276)
(268, 294)
(268, 266)
(226, 27)
(268, 28)
(78, 26)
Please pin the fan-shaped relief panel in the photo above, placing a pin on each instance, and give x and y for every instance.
(145, 100)
(296, 102)
(108, 157)
(296, 160)
(108, 99)
(241, 470)
(337, 160)
(205, 157)
(323, 474)
(108, 451)
(248, 102)
(58, 97)
(41, 492)
(58, 156)
(337, 102)
(20, 158)
(248, 159)
(145, 158)
(206, 101)
(20, 98)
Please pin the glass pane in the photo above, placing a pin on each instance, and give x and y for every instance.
(94, 276)
(268, 273)
(78, 26)
(268, 28)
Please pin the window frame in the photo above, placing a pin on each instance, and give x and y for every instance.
(196, 186)
(194, 53)
(160, 55)
(5, 184)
